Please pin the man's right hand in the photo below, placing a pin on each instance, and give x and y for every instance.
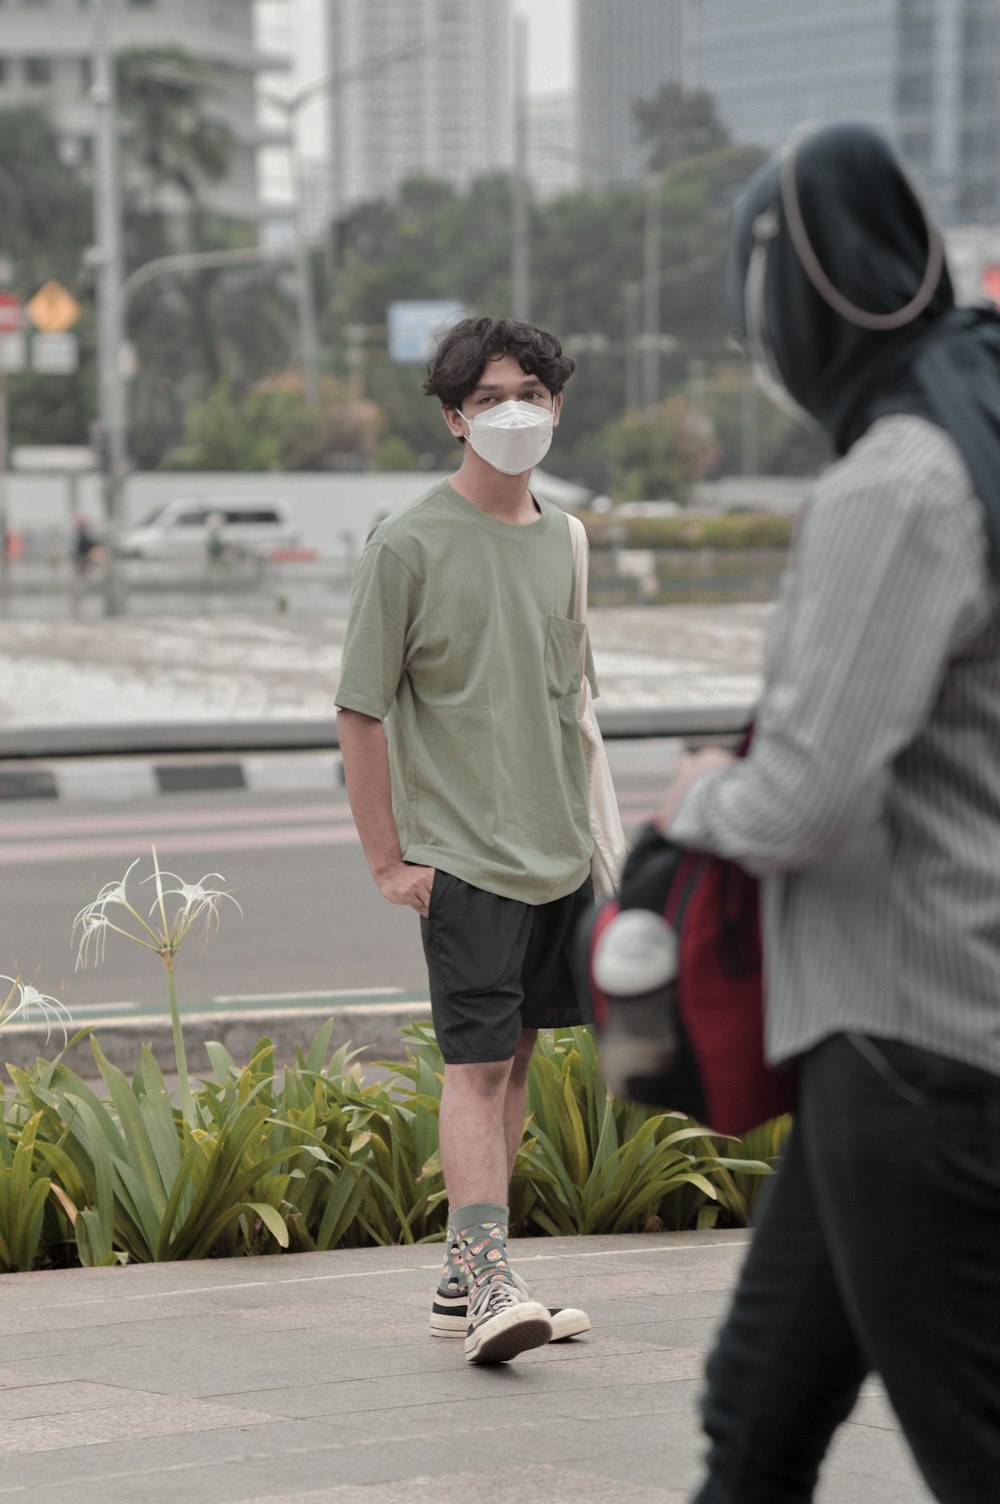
(406, 883)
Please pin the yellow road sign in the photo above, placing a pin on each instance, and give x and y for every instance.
(53, 310)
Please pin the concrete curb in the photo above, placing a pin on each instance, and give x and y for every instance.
(141, 761)
(119, 777)
(373, 1028)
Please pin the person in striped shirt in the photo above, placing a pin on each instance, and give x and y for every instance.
(869, 807)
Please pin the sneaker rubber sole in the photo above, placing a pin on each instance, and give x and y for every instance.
(450, 1318)
(509, 1333)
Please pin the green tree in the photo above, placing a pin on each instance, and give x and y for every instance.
(45, 216)
(658, 456)
(677, 124)
(588, 264)
(750, 427)
(272, 427)
(45, 224)
(192, 331)
(172, 140)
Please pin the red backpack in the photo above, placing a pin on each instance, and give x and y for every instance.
(705, 1028)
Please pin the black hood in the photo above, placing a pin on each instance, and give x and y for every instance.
(837, 281)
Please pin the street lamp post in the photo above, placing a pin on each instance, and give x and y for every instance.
(652, 277)
(520, 250)
(643, 349)
(290, 105)
(108, 245)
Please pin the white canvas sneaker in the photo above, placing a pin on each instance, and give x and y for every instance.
(502, 1323)
(450, 1314)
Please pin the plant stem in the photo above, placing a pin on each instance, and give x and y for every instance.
(180, 1056)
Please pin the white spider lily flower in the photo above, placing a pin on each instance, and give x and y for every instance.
(161, 930)
(163, 933)
(196, 900)
(114, 892)
(31, 1000)
(93, 928)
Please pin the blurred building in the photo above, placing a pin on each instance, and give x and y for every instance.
(625, 55)
(45, 59)
(925, 71)
(445, 111)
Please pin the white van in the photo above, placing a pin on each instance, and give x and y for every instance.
(193, 528)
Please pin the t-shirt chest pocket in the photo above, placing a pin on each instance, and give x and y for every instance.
(563, 650)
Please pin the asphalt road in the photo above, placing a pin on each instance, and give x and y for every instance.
(312, 921)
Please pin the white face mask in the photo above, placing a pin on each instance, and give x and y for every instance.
(512, 437)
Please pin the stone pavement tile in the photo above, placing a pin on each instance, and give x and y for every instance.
(143, 1302)
(203, 1370)
(85, 1470)
(870, 1467)
(136, 1415)
(219, 1467)
(856, 1488)
(595, 1403)
(652, 1451)
(325, 1395)
(873, 1409)
(631, 1297)
(330, 1357)
(28, 1400)
(504, 1485)
(651, 1365)
(61, 1333)
(674, 1265)
(665, 1334)
(518, 1401)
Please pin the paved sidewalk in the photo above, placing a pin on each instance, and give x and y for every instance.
(312, 1379)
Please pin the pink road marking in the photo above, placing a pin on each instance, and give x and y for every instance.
(28, 853)
(65, 838)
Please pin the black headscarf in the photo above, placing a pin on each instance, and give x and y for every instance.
(842, 191)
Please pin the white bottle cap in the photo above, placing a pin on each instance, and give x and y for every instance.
(636, 953)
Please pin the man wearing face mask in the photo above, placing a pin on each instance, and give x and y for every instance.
(869, 806)
(464, 637)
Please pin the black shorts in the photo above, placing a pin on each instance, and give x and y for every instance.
(498, 966)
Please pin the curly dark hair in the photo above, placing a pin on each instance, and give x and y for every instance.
(458, 362)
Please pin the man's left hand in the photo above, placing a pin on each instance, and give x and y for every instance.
(691, 766)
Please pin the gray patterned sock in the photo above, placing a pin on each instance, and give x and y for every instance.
(453, 1275)
(481, 1230)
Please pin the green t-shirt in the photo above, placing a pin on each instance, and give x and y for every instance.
(462, 637)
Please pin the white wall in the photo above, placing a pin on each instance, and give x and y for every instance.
(323, 506)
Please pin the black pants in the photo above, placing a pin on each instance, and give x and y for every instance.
(878, 1250)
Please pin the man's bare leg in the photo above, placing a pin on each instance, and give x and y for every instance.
(501, 1321)
(517, 1083)
(472, 1130)
(482, 1106)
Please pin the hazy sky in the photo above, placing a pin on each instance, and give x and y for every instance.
(551, 61)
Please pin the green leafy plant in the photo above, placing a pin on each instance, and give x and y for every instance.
(313, 1158)
(24, 1191)
(135, 1180)
(589, 1163)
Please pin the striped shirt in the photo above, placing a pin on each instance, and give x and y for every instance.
(870, 802)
